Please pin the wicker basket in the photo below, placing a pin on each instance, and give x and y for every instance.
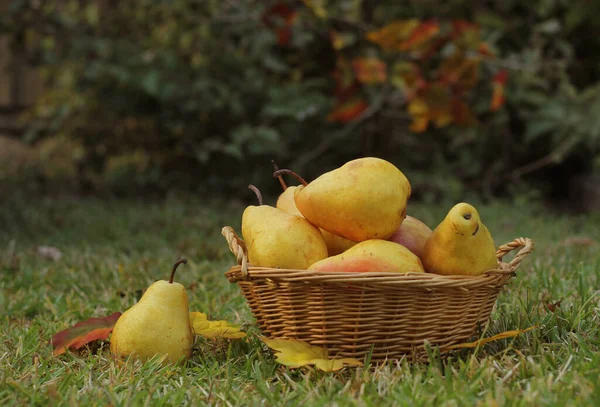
(388, 315)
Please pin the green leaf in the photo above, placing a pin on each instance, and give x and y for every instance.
(537, 128)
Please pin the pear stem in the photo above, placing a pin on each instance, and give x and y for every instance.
(257, 192)
(280, 178)
(279, 173)
(184, 261)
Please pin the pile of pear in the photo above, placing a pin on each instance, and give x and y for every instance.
(353, 219)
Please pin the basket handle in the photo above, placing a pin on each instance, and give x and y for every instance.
(523, 243)
(237, 247)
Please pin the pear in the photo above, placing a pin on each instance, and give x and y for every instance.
(275, 238)
(285, 202)
(363, 199)
(460, 244)
(412, 234)
(159, 324)
(372, 255)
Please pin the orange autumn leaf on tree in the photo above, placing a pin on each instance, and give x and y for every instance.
(406, 35)
(83, 333)
(349, 102)
(465, 34)
(347, 110)
(408, 77)
(498, 83)
(433, 105)
(392, 36)
(294, 353)
(280, 18)
(459, 70)
(421, 35)
(369, 70)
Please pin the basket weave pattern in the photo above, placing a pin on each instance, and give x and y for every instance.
(351, 313)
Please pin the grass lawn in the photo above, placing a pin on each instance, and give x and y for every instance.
(113, 250)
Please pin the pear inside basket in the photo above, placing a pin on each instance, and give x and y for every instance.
(337, 263)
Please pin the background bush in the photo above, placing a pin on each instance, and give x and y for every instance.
(464, 96)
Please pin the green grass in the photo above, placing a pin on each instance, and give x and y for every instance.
(113, 250)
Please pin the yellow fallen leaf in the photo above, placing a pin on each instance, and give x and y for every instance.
(212, 329)
(295, 353)
(503, 335)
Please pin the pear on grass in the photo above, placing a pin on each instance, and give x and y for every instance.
(159, 324)
(372, 255)
(275, 238)
(460, 244)
(363, 199)
(285, 202)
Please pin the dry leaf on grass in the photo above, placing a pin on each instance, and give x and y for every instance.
(84, 332)
(213, 329)
(294, 353)
(503, 335)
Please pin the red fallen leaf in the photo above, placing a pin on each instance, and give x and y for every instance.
(498, 83)
(280, 17)
(369, 70)
(83, 333)
(348, 110)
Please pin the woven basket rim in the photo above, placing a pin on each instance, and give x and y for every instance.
(504, 271)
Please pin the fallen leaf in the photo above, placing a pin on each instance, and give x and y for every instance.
(213, 329)
(553, 306)
(503, 335)
(83, 333)
(294, 353)
(49, 252)
(498, 83)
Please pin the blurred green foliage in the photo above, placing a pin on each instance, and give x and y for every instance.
(204, 93)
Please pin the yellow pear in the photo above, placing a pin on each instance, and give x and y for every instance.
(159, 324)
(275, 238)
(285, 202)
(336, 244)
(460, 244)
(363, 199)
(372, 255)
